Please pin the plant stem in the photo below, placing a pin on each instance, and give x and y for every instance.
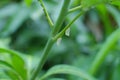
(63, 31)
(100, 57)
(75, 9)
(43, 58)
(50, 42)
(46, 13)
(61, 17)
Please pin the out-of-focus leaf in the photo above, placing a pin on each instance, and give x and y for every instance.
(4, 42)
(28, 2)
(19, 66)
(116, 69)
(17, 62)
(12, 75)
(76, 2)
(66, 69)
(15, 22)
(106, 47)
(105, 19)
(56, 79)
(116, 2)
(11, 52)
(90, 3)
(9, 68)
(6, 64)
(115, 13)
(8, 10)
(4, 2)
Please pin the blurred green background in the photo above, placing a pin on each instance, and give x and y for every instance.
(24, 28)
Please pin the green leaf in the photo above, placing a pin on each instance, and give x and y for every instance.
(12, 75)
(16, 21)
(115, 13)
(19, 66)
(116, 69)
(66, 69)
(56, 79)
(102, 54)
(6, 64)
(9, 69)
(89, 3)
(11, 52)
(28, 2)
(103, 13)
(17, 62)
(8, 10)
(115, 2)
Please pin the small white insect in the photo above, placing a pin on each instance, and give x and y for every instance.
(67, 32)
(59, 41)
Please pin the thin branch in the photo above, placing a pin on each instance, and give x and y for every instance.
(46, 14)
(74, 9)
(63, 31)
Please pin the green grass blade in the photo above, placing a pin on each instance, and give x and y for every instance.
(107, 46)
(115, 13)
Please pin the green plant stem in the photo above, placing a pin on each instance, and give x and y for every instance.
(74, 9)
(46, 13)
(63, 31)
(50, 42)
(43, 58)
(107, 46)
(61, 17)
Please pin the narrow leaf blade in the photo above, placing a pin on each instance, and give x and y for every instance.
(66, 69)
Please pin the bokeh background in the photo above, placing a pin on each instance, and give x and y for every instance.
(24, 28)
